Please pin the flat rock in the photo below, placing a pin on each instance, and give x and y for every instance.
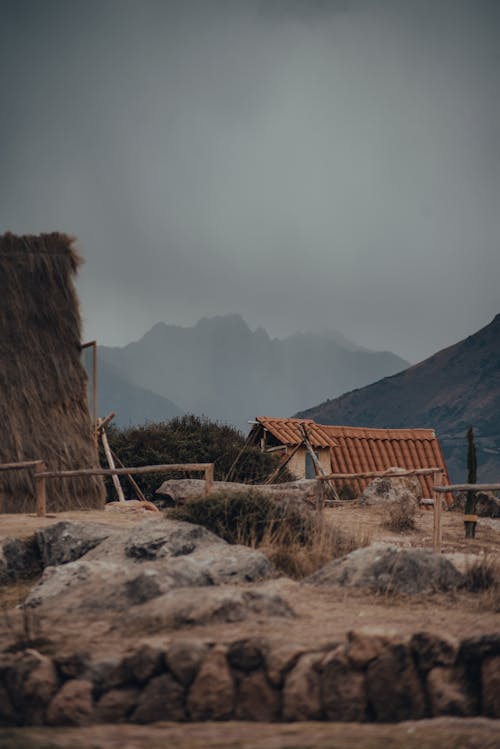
(390, 569)
(67, 541)
(178, 491)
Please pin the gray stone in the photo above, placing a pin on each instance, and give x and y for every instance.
(184, 658)
(156, 539)
(446, 692)
(394, 689)
(385, 489)
(19, 559)
(117, 705)
(212, 693)
(390, 569)
(178, 491)
(67, 541)
(343, 689)
(72, 705)
(146, 661)
(246, 655)
(256, 699)
(31, 682)
(301, 694)
(432, 650)
(490, 673)
(161, 699)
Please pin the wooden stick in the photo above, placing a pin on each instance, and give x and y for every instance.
(283, 462)
(102, 423)
(318, 469)
(162, 468)
(134, 483)
(385, 474)
(229, 474)
(436, 538)
(41, 495)
(111, 462)
(21, 465)
(209, 478)
(468, 488)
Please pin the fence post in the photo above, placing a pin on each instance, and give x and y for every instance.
(41, 495)
(436, 537)
(209, 479)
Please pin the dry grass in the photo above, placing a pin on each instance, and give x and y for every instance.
(400, 515)
(293, 536)
(482, 578)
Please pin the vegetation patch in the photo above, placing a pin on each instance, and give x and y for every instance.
(295, 538)
(400, 515)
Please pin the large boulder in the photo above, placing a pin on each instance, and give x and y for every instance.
(387, 489)
(390, 569)
(178, 491)
(67, 541)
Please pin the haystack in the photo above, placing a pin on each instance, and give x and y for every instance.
(44, 410)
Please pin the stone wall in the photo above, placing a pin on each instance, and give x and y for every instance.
(370, 676)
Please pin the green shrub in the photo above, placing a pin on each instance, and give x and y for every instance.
(189, 439)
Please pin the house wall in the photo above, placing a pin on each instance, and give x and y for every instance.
(297, 464)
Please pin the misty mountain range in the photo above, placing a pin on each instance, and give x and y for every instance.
(222, 369)
(456, 388)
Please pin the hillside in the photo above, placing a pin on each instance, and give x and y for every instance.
(452, 390)
(224, 370)
(132, 404)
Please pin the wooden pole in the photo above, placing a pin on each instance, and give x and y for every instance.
(111, 462)
(161, 468)
(318, 470)
(209, 479)
(135, 485)
(283, 462)
(41, 495)
(437, 534)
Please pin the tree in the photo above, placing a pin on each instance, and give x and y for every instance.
(470, 503)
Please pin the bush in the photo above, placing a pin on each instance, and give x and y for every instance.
(483, 579)
(400, 515)
(189, 439)
(294, 537)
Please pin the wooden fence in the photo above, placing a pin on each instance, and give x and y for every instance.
(41, 475)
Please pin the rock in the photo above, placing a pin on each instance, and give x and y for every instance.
(67, 541)
(386, 489)
(74, 665)
(72, 705)
(390, 569)
(246, 655)
(487, 504)
(154, 539)
(106, 674)
(256, 699)
(233, 563)
(432, 650)
(446, 693)
(394, 689)
(280, 658)
(178, 491)
(301, 694)
(474, 649)
(161, 699)
(367, 643)
(194, 606)
(343, 689)
(146, 661)
(19, 559)
(490, 673)
(31, 682)
(212, 696)
(184, 658)
(117, 705)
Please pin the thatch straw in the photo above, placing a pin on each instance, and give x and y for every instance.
(44, 410)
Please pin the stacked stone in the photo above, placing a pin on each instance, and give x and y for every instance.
(371, 676)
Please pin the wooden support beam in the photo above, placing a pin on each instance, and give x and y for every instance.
(468, 488)
(40, 490)
(209, 478)
(385, 474)
(20, 465)
(125, 471)
(318, 470)
(283, 462)
(111, 463)
(140, 495)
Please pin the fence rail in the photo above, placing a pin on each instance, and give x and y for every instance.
(41, 475)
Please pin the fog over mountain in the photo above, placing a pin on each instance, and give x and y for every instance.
(304, 163)
(223, 369)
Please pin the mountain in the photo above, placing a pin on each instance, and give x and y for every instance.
(456, 388)
(224, 370)
(132, 404)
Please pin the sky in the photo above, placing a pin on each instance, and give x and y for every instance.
(308, 164)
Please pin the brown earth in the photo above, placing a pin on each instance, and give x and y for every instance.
(439, 733)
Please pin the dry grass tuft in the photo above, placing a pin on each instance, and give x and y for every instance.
(293, 536)
(400, 515)
(482, 577)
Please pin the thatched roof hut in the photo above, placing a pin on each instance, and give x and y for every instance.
(44, 410)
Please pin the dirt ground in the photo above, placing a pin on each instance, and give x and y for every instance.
(323, 615)
(441, 733)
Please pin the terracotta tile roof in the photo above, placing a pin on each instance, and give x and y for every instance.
(288, 431)
(361, 449)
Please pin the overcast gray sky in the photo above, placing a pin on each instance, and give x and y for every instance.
(309, 164)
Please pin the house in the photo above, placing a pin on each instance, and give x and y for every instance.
(44, 410)
(344, 449)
